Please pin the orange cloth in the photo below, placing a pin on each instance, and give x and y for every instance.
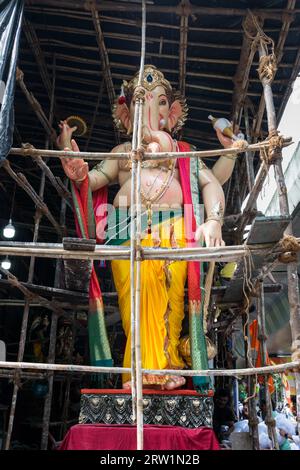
(255, 344)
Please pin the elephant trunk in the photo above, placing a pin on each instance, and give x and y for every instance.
(157, 140)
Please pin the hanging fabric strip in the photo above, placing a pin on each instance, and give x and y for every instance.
(11, 12)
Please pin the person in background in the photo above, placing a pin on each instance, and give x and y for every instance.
(223, 417)
(245, 411)
(263, 409)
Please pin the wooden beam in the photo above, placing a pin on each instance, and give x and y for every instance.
(271, 13)
(241, 78)
(279, 53)
(24, 184)
(38, 53)
(105, 62)
(184, 26)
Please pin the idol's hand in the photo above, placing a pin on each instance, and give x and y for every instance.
(226, 142)
(211, 233)
(65, 136)
(75, 168)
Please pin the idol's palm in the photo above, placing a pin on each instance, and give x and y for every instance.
(75, 168)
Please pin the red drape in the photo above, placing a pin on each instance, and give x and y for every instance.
(123, 437)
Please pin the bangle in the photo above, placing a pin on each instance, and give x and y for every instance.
(98, 168)
(216, 218)
(231, 156)
(217, 213)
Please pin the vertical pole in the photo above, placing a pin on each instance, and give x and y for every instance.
(135, 256)
(269, 420)
(37, 219)
(68, 384)
(249, 155)
(253, 420)
(292, 272)
(52, 345)
(53, 328)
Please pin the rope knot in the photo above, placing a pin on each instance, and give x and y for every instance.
(137, 155)
(267, 68)
(241, 145)
(290, 246)
(275, 146)
(139, 93)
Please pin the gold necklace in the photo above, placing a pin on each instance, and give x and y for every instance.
(158, 194)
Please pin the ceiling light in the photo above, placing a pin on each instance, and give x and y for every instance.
(9, 230)
(6, 264)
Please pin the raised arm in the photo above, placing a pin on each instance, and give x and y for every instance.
(214, 203)
(77, 169)
(224, 166)
(106, 171)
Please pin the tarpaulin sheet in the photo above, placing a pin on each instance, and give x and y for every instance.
(11, 12)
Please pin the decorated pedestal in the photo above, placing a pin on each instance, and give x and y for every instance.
(185, 408)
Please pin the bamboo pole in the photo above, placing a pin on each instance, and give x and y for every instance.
(147, 156)
(22, 181)
(269, 420)
(137, 394)
(56, 250)
(52, 346)
(249, 155)
(274, 13)
(68, 385)
(292, 271)
(37, 219)
(105, 61)
(183, 42)
(241, 78)
(33, 41)
(253, 420)
(249, 210)
(71, 368)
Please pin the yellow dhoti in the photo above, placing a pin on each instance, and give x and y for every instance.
(162, 304)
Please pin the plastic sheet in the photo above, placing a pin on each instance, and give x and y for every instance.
(11, 12)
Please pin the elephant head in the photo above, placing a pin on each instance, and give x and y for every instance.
(164, 111)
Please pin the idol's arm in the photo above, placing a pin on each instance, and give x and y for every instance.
(214, 203)
(224, 166)
(77, 169)
(106, 171)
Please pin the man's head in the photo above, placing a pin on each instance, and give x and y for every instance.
(222, 398)
(245, 408)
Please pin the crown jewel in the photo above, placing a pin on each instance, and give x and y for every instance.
(152, 78)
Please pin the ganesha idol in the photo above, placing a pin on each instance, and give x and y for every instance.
(171, 191)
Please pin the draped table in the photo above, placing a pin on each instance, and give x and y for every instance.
(123, 437)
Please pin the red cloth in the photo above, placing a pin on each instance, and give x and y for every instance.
(150, 391)
(123, 437)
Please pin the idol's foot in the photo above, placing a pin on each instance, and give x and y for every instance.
(127, 385)
(174, 381)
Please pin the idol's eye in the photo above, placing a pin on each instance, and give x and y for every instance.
(163, 102)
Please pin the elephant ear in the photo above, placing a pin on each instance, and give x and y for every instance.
(177, 114)
(121, 115)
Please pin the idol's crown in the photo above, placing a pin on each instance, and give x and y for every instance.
(152, 78)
